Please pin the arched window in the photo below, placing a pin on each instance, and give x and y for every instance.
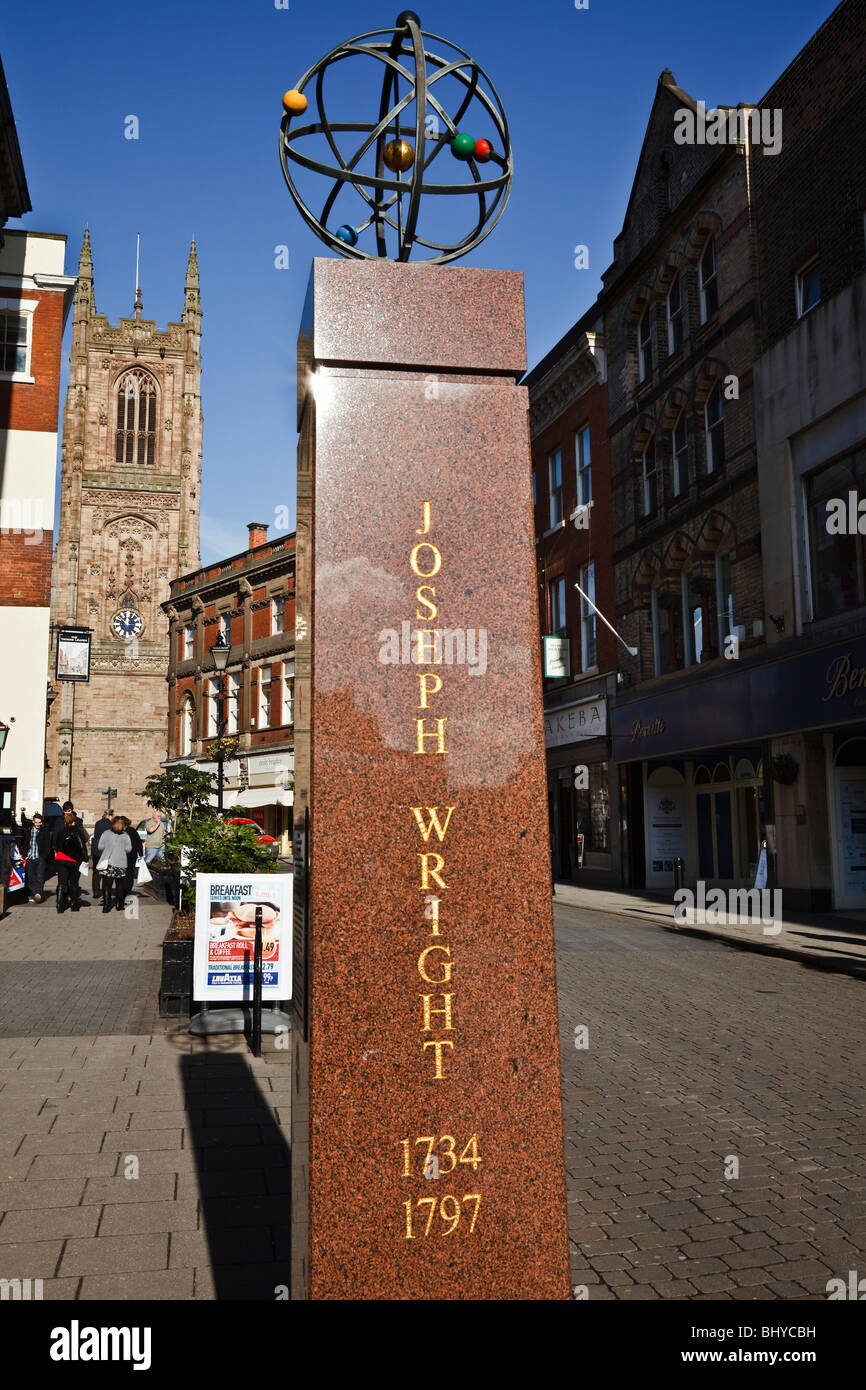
(709, 284)
(187, 727)
(675, 316)
(645, 345)
(136, 419)
(679, 449)
(715, 429)
(649, 479)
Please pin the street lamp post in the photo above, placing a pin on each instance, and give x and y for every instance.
(220, 653)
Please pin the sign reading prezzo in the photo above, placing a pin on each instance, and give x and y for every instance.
(439, 1022)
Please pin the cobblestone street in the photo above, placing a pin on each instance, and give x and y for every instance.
(698, 1054)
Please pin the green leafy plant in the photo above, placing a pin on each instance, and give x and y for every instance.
(205, 844)
(180, 792)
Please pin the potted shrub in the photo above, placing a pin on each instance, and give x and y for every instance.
(181, 794)
(199, 841)
(784, 768)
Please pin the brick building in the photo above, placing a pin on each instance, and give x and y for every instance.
(129, 522)
(810, 410)
(35, 295)
(734, 321)
(568, 414)
(249, 599)
(682, 334)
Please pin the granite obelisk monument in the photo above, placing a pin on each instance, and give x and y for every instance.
(427, 1143)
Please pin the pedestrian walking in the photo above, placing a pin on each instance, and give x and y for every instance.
(115, 848)
(104, 823)
(37, 854)
(154, 837)
(136, 853)
(70, 851)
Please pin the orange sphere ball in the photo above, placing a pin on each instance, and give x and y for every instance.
(399, 155)
(295, 102)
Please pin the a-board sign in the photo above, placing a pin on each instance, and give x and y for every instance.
(225, 930)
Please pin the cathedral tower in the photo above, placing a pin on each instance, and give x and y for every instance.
(129, 524)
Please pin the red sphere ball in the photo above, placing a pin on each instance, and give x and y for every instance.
(483, 151)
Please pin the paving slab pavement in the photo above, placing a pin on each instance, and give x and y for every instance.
(135, 1160)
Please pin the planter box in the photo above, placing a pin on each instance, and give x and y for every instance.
(175, 990)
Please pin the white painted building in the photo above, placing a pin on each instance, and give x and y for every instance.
(35, 295)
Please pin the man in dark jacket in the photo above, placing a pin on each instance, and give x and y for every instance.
(37, 852)
(70, 850)
(104, 823)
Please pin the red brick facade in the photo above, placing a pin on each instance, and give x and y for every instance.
(248, 598)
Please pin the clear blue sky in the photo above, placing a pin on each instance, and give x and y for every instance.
(206, 81)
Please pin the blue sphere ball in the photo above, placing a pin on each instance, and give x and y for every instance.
(347, 234)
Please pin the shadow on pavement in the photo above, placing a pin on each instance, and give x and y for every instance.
(242, 1160)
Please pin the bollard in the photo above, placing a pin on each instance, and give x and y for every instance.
(256, 1042)
(679, 873)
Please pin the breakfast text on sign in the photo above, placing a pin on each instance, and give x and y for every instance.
(436, 963)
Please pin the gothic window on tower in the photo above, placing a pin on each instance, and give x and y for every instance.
(136, 419)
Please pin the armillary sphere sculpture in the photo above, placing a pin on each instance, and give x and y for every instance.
(379, 182)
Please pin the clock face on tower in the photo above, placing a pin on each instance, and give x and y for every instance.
(126, 623)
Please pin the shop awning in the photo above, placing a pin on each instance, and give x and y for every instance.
(257, 796)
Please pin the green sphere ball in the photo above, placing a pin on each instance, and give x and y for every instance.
(463, 145)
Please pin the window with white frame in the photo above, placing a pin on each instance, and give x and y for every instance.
(645, 345)
(187, 727)
(584, 468)
(708, 279)
(808, 288)
(264, 697)
(189, 642)
(224, 628)
(714, 425)
(233, 692)
(587, 618)
(288, 693)
(556, 591)
(213, 709)
(16, 338)
(554, 467)
(278, 614)
(649, 479)
(680, 454)
(675, 316)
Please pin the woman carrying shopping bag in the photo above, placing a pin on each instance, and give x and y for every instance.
(115, 847)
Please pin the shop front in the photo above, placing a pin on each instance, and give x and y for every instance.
(584, 832)
(262, 785)
(771, 753)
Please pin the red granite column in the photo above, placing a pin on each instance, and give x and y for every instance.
(426, 1123)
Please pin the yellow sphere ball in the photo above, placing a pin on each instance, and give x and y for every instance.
(399, 155)
(295, 102)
